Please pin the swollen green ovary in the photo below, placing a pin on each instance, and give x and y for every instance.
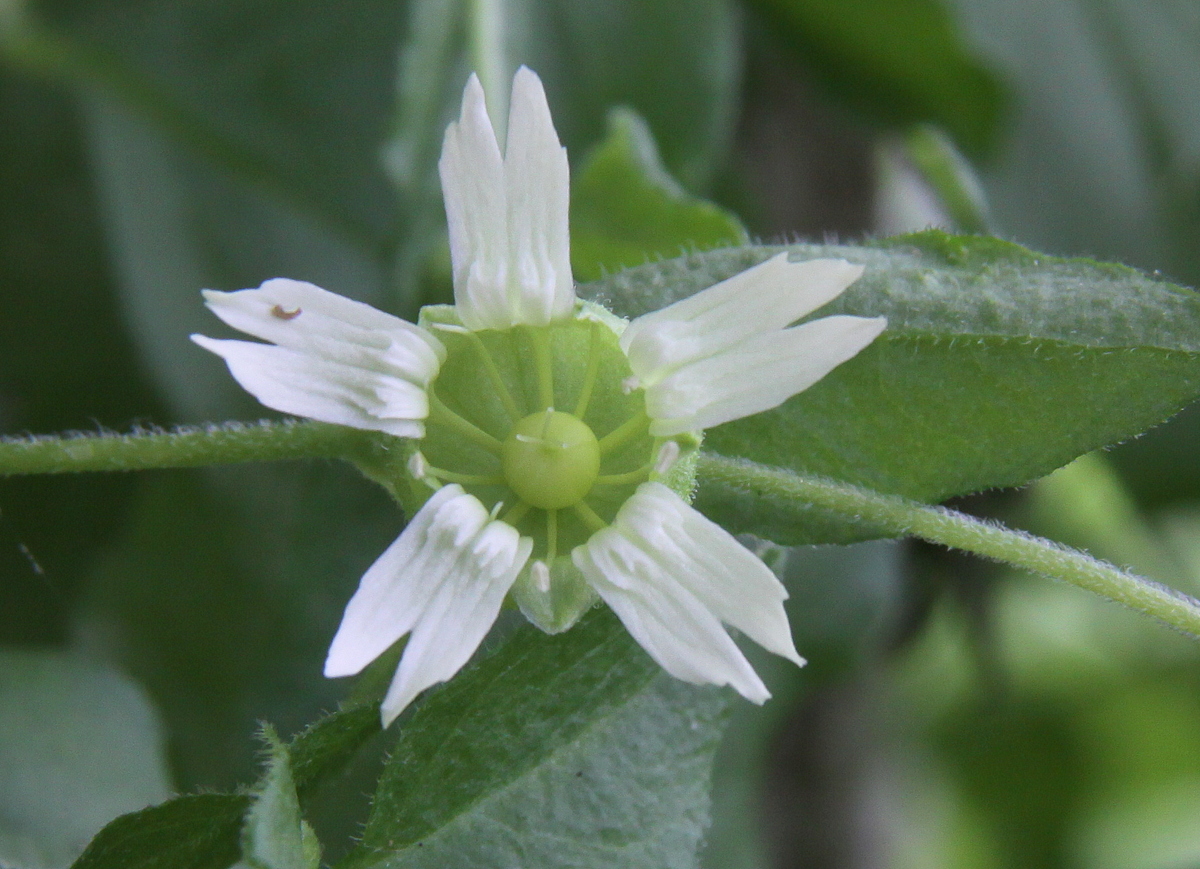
(551, 460)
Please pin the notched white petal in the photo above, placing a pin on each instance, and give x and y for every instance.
(761, 299)
(759, 374)
(673, 577)
(472, 173)
(443, 580)
(305, 317)
(333, 359)
(728, 578)
(293, 382)
(537, 179)
(508, 214)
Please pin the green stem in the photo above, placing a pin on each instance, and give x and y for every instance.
(230, 443)
(792, 493)
(485, 25)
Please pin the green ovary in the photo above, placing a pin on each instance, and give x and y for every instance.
(551, 460)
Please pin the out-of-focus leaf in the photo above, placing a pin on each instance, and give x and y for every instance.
(844, 603)
(558, 750)
(998, 366)
(79, 745)
(949, 177)
(294, 100)
(223, 595)
(177, 227)
(274, 835)
(903, 61)
(626, 209)
(292, 96)
(676, 63)
(64, 361)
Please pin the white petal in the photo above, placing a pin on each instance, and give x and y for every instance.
(444, 580)
(727, 578)
(508, 215)
(761, 299)
(334, 359)
(292, 382)
(473, 187)
(756, 375)
(305, 317)
(672, 577)
(537, 183)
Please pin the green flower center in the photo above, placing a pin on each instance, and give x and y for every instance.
(539, 424)
(550, 460)
(534, 422)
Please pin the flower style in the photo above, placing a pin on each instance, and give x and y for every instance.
(548, 446)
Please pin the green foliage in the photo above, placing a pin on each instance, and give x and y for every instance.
(560, 750)
(225, 636)
(626, 209)
(998, 365)
(198, 831)
(1101, 161)
(232, 141)
(79, 743)
(274, 835)
(903, 61)
(585, 716)
(201, 831)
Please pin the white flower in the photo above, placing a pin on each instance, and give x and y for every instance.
(512, 494)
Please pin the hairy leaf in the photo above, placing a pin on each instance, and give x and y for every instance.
(566, 750)
(998, 365)
(192, 832)
(274, 835)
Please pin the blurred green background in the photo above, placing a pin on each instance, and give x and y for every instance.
(953, 715)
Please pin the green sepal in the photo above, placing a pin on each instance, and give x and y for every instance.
(558, 608)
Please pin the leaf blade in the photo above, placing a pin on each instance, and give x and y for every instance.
(998, 365)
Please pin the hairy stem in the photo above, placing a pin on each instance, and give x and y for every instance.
(230, 443)
(788, 491)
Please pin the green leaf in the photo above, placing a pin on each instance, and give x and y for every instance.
(274, 835)
(191, 832)
(222, 600)
(79, 745)
(627, 209)
(998, 365)
(902, 61)
(201, 831)
(177, 226)
(572, 749)
(293, 97)
(1100, 93)
(677, 63)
